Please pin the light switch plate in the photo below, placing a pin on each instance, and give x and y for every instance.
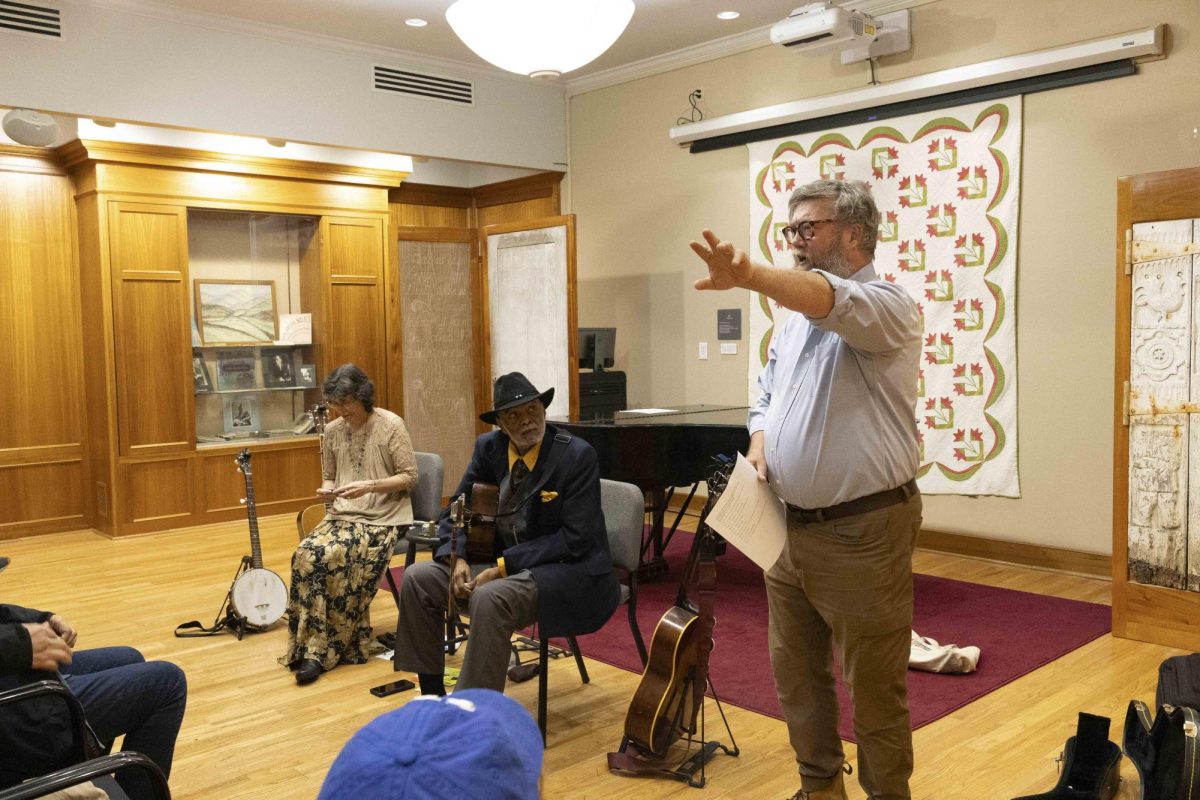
(729, 348)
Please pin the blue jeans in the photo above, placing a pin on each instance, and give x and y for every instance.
(123, 694)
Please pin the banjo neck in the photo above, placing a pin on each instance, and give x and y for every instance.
(243, 461)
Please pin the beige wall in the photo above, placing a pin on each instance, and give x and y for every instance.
(639, 199)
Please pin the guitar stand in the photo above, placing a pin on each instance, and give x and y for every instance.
(686, 770)
(226, 618)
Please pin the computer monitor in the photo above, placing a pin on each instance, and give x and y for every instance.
(596, 347)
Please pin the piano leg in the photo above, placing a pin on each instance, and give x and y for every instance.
(653, 563)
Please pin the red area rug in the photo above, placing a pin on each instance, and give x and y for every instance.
(1017, 632)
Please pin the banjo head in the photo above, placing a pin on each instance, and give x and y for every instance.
(260, 596)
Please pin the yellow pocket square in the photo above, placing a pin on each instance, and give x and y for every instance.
(548, 496)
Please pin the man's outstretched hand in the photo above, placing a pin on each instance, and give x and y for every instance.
(728, 266)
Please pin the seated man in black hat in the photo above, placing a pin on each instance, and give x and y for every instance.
(551, 559)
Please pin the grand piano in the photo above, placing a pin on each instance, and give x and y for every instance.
(658, 450)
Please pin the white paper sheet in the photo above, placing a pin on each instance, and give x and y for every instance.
(750, 516)
(648, 411)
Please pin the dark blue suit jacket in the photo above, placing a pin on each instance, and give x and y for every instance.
(565, 545)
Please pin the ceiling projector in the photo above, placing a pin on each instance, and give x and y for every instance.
(821, 25)
(32, 128)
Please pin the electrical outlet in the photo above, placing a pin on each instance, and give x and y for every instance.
(703, 351)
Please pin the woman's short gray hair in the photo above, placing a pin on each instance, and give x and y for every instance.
(348, 381)
(852, 204)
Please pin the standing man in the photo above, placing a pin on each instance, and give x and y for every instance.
(834, 433)
(551, 562)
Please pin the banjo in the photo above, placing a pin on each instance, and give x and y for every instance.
(258, 596)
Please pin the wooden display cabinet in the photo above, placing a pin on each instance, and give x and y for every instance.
(140, 210)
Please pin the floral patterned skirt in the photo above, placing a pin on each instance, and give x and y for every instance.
(335, 574)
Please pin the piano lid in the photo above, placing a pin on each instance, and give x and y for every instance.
(668, 416)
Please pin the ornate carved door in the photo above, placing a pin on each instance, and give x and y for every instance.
(1156, 506)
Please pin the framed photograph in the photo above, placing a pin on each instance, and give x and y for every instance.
(277, 367)
(203, 383)
(307, 376)
(235, 370)
(240, 414)
(236, 312)
(295, 329)
(303, 423)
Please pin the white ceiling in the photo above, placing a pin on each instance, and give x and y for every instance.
(657, 27)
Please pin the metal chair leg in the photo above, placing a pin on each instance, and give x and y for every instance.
(633, 623)
(543, 674)
(578, 659)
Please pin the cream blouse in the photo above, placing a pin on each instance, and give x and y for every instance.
(378, 450)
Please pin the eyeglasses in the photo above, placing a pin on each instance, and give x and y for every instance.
(804, 230)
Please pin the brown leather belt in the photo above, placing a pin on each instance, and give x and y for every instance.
(859, 505)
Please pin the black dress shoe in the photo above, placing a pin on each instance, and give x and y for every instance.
(1091, 764)
(3, 562)
(308, 671)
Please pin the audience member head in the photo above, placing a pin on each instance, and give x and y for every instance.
(475, 743)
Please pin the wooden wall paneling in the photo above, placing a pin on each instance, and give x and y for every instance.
(284, 480)
(1149, 613)
(42, 497)
(216, 187)
(42, 472)
(99, 363)
(152, 333)
(518, 200)
(158, 493)
(423, 205)
(353, 254)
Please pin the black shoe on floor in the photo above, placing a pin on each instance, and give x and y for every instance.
(308, 671)
(4, 562)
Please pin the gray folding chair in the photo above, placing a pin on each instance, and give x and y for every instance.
(426, 499)
(624, 519)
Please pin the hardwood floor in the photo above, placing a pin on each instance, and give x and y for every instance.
(250, 732)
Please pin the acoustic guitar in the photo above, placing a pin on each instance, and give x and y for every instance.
(668, 698)
(258, 596)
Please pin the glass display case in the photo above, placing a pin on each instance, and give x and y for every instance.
(253, 356)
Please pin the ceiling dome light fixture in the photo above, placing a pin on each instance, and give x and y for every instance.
(415, 22)
(729, 15)
(539, 38)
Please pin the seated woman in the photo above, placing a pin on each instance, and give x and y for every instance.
(368, 468)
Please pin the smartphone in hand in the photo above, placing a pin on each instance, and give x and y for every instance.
(392, 688)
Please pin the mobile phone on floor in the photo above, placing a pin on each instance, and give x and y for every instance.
(391, 688)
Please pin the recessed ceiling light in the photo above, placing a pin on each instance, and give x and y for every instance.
(728, 15)
(416, 22)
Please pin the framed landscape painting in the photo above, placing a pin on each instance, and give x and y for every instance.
(236, 312)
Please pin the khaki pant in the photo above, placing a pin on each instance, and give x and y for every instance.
(497, 609)
(847, 583)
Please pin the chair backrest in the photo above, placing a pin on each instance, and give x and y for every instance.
(308, 518)
(427, 494)
(624, 517)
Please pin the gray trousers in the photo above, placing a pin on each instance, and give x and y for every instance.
(846, 583)
(496, 609)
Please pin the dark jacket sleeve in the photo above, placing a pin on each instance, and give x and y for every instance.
(16, 650)
(582, 521)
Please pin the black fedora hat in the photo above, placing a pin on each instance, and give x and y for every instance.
(511, 390)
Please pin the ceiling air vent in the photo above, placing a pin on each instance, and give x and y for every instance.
(420, 84)
(26, 18)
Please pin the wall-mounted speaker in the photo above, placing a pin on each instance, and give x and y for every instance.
(31, 128)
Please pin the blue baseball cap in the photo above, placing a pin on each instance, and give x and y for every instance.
(475, 743)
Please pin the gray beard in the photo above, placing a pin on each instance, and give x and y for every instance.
(835, 264)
